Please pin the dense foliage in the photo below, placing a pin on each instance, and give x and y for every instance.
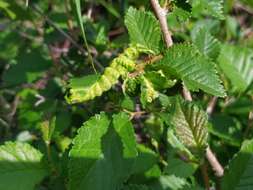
(126, 95)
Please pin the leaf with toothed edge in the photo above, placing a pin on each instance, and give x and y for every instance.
(103, 151)
(143, 29)
(185, 62)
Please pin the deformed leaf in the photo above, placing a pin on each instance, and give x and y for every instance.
(148, 93)
(91, 86)
(21, 166)
(79, 87)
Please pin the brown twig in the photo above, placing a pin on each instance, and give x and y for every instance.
(245, 8)
(250, 125)
(205, 175)
(217, 168)
(161, 14)
(186, 94)
(211, 105)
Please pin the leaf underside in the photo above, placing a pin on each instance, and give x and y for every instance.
(190, 124)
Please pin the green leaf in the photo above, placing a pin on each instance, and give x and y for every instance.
(226, 128)
(145, 160)
(21, 166)
(190, 124)
(207, 44)
(5, 6)
(184, 61)
(135, 187)
(213, 8)
(170, 183)
(143, 29)
(179, 168)
(239, 174)
(25, 71)
(237, 64)
(103, 152)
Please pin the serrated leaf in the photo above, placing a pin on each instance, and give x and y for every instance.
(239, 174)
(103, 152)
(185, 62)
(190, 124)
(213, 8)
(21, 166)
(237, 64)
(207, 44)
(143, 29)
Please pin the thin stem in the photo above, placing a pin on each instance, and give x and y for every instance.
(211, 105)
(217, 168)
(69, 18)
(78, 10)
(205, 175)
(250, 125)
(186, 94)
(161, 14)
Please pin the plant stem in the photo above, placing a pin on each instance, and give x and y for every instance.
(250, 125)
(161, 14)
(211, 105)
(205, 175)
(186, 94)
(217, 168)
